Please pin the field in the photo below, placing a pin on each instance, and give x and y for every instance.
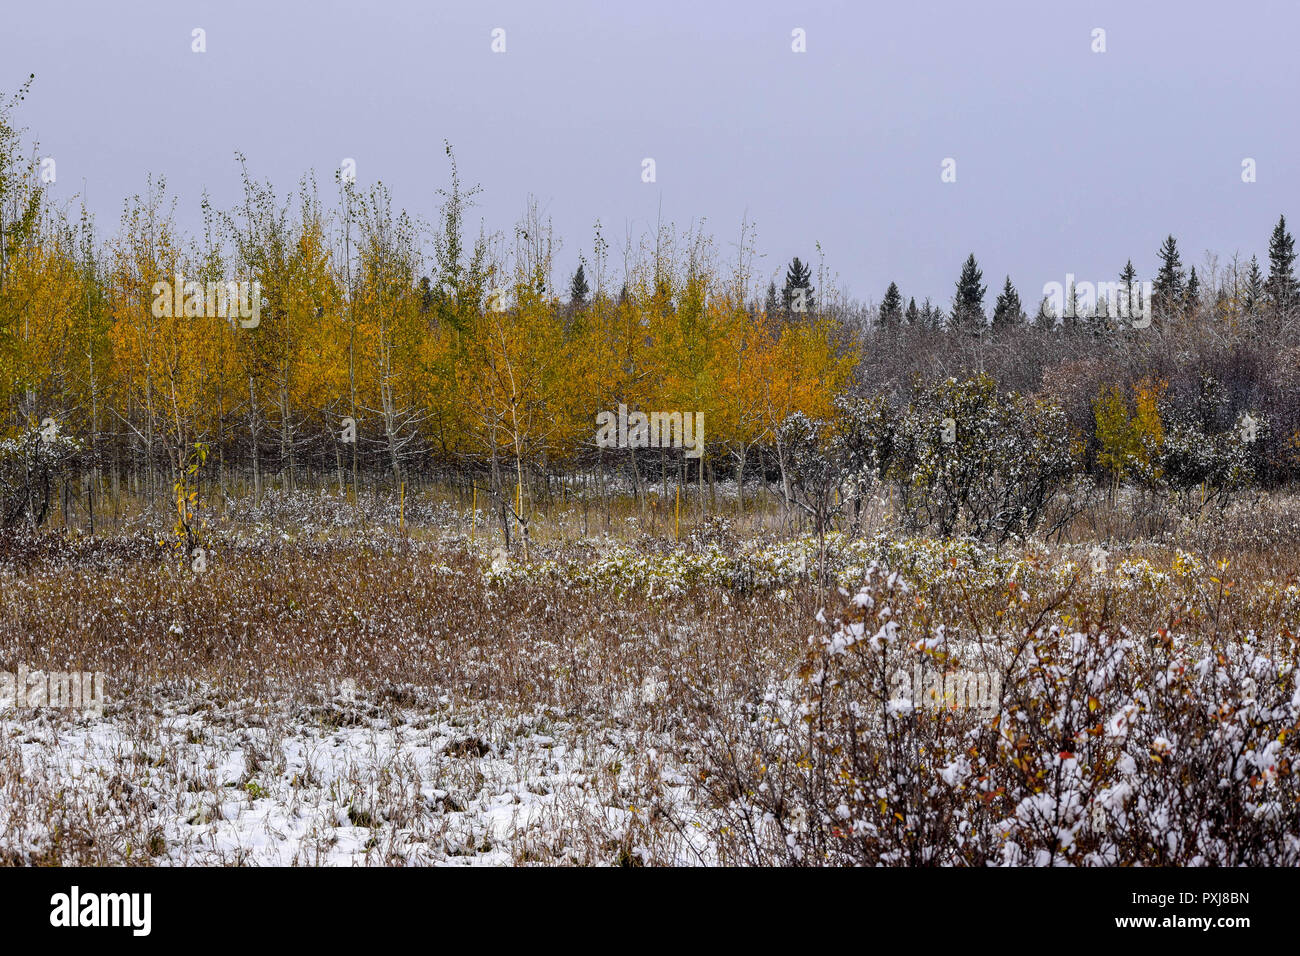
(384, 683)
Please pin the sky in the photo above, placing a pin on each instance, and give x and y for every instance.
(1067, 160)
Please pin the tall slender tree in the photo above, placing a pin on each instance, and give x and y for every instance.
(1280, 288)
(1170, 282)
(1128, 304)
(797, 295)
(968, 300)
(891, 307)
(772, 303)
(913, 314)
(1192, 296)
(578, 288)
(1007, 312)
(1253, 295)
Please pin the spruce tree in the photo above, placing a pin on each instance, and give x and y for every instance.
(913, 315)
(1254, 293)
(1170, 282)
(968, 300)
(1006, 311)
(1280, 288)
(798, 276)
(1072, 319)
(578, 289)
(1129, 294)
(891, 307)
(1128, 275)
(1045, 318)
(772, 305)
(1100, 320)
(1192, 297)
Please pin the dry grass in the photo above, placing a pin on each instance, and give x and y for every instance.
(532, 719)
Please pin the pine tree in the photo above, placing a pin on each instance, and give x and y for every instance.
(1192, 297)
(968, 301)
(1169, 285)
(928, 318)
(891, 307)
(1254, 293)
(1072, 319)
(578, 289)
(1280, 288)
(1046, 317)
(772, 305)
(1128, 305)
(797, 277)
(913, 315)
(1007, 311)
(1100, 320)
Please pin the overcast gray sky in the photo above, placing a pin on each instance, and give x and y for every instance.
(1066, 159)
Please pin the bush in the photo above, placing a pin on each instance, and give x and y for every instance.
(1207, 454)
(968, 461)
(31, 466)
(1098, 748)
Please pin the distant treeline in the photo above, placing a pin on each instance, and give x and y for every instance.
(362, 345)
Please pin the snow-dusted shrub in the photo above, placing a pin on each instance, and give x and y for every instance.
(31, 466)
(1207, 455)
(1102, 747)
(968, 460)
(863, 443)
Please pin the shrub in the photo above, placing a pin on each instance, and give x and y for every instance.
(1100, 747)
(968, 461)
(1206, 454)
(31, 465)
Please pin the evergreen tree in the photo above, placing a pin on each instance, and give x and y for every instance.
(891, 307)
(1254, 292)
(1100, 319)
(797, 277)
(1192, 297)
(772, 305)
(913, 315)
(1169, 285)
(1128, 306)
(968, 301)
(1072, 318)
(1045, 318)
(1007, 311)
(1280, 288)
(578, 289)
(928, 318)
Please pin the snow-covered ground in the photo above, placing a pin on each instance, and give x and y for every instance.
(341, 782)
